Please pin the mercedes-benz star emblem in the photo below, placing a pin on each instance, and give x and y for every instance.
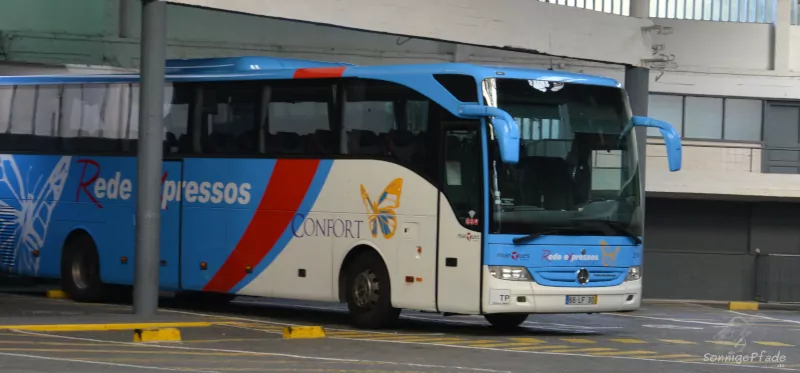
(583, 251)
(583, 276)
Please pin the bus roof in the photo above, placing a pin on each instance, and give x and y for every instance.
(266, 68)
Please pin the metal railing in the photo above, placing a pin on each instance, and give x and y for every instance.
(742, 11)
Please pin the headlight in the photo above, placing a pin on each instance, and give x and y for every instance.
(634, 273)
(510, 273)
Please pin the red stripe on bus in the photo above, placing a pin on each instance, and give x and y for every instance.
(319, 72)
(286, 190)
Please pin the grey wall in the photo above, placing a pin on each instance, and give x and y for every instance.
(697, 249)
(701, 249)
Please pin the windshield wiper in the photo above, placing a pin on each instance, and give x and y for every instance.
(533, 236)
(617, 228)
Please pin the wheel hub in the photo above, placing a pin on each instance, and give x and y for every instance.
(366, 289)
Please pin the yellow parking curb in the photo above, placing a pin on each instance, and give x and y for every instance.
(157, 335)
(305, 332)
(104, 327)
(743, 306)
(57, 294)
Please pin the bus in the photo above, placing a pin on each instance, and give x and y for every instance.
(450, 188)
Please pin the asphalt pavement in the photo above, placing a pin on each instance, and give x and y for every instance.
(246, 336)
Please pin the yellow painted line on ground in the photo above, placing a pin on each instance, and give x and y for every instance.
(29, 342)
(776, 344)
(396, 336)
(582, 350)
(624, 353)
(431, 340)
(147, 351)
(578, 340)
(678, 341)
(724, 343)
(627, 340)
(533, 348)
(528, 340)
(343, 334)
(674, 356)
(499, 345)
(466, 341)
(224, 340)
(102, 327)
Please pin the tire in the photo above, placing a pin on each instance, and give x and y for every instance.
(368, 293)
(80, 270)
(506, 320)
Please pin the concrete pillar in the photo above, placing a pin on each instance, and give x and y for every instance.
(150, 153)
(781, 42)
(637, 84)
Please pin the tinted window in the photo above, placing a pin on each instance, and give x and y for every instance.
(229, 117)
(382, 119)
(299, 118)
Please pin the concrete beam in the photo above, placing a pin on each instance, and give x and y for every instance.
(524, 25)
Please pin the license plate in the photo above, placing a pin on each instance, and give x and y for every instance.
(497, 296)
(579, 300)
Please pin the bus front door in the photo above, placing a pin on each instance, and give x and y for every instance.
(460, 212)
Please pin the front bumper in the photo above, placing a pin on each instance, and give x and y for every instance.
(530, 297)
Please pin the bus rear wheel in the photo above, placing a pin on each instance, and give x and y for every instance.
(80, 270)
(506, 320)
(368, 292)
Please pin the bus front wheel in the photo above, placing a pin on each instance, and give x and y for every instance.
(506, 320)
(80, 270)
(368, 292)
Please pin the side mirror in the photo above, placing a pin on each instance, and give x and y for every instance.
(506, 129)
(671, 139)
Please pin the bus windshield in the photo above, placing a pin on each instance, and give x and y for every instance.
(577, 167)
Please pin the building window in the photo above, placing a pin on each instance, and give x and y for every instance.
(708, 118)
(667, 108)
(703, 118)
(743, 119)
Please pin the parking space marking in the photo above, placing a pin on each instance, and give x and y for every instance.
(625, 353)
(499, 345)
(627, 340)
(670, 319)
(528, 340)
(464, 342)
(673, 356)
(535, 348)
(154, 351)
(210, 351)
(104, 363)
(725, 343)
(596, 349)
(678, 341)
(775, 344)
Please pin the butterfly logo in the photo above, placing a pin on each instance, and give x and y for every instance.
(25, 216)
(611, 256)
(382, 212)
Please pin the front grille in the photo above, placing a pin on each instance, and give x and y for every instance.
(567, 276)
